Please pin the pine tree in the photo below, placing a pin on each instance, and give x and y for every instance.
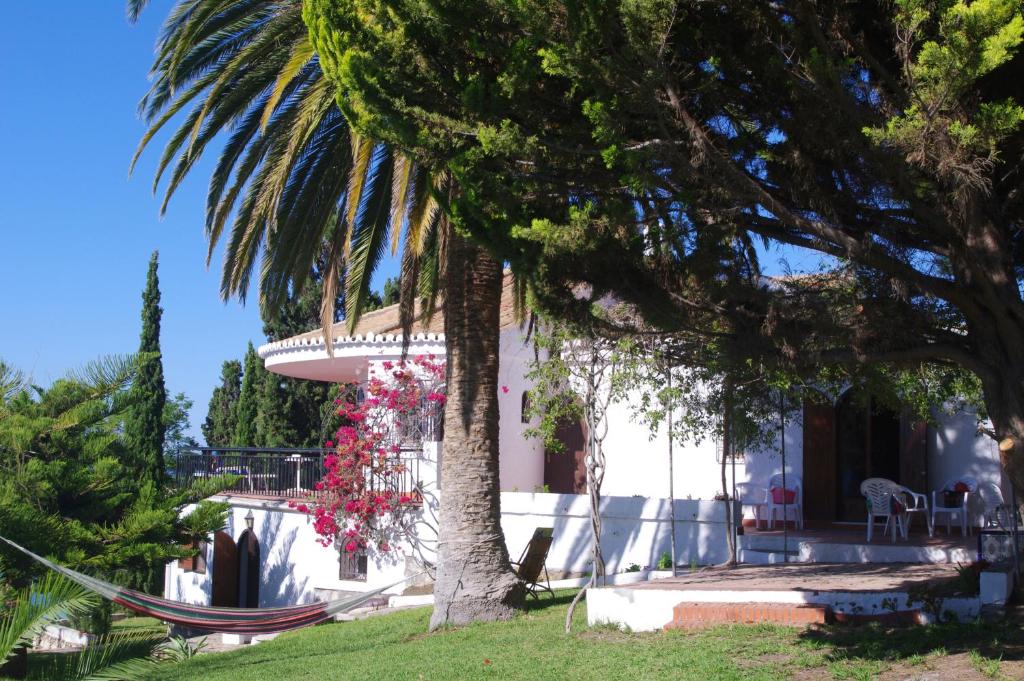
(219, 427)
(273, 425)
(144, 423)
(247, 410)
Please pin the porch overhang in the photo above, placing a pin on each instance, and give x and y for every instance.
(306, 356)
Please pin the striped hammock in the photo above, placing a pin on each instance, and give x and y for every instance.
(206, 619)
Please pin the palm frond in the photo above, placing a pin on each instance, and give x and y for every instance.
(372, 222)
(302, 53)
(291, 177)
(50, 599)
(400, 197)
(362, 152)
(119, 656)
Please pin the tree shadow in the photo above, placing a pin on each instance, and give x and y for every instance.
(1003, 639)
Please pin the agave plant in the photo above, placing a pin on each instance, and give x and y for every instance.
(302, 191)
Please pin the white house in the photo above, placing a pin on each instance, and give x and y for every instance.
(829, 450)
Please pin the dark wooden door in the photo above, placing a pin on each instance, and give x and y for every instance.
(819, 452)
(225, 572)
(914, 454)
(565, 472)
(248, 570)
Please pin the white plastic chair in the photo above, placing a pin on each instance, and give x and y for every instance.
(794, 486)
(913, 502)
(752, 496)
(960, 510)
(879, 493)
(996, 512)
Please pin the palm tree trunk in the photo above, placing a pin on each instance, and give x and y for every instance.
(475, 581)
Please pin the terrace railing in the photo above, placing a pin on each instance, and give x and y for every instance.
(283, 473)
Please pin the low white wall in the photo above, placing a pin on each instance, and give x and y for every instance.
(635, 530)
(293, 566)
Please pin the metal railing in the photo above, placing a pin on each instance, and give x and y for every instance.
(278, 472)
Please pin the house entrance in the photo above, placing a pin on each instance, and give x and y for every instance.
(565, 472)
(248, 570)
(225, 572)
(867, 446)
(855, 439)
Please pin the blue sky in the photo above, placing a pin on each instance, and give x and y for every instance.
(76, 231)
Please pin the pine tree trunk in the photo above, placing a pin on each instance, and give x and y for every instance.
(475, 581)
(1004, 400)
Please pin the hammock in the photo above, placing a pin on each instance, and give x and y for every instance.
(207, 619)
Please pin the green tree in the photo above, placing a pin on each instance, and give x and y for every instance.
(67, 489)
(176, 426)
(304, 184)
(645, 149)
(391, 293)
(144, 423)
(220, 424)
(247, 408)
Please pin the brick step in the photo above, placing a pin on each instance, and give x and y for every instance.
(690, 615)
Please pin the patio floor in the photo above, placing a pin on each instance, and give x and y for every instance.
(816, 577)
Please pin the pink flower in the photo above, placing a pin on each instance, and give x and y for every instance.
(504, 389)
(351, 546)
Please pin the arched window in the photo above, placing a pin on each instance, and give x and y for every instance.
(524, 414)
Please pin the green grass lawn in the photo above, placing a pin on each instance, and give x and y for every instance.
(138, 623)
(533, 646)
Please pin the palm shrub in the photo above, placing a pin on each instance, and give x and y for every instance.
(52, 599)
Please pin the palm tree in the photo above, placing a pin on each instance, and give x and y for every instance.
(309, 194)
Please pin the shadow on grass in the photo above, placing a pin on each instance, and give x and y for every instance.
(561, 597)
(1003, 639)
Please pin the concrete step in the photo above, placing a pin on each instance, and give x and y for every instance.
(766, 557)
(825, 552)
(691, 615)
(760, 549)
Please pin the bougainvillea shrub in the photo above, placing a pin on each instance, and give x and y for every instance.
(367, 496)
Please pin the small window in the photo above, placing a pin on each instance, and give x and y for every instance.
(352, 565)
(196, 563)
(524, 415)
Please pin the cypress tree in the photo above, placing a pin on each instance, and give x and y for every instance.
(219, 426)
(248, 401)
(144, 423)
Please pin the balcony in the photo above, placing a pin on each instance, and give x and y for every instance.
(280, 473)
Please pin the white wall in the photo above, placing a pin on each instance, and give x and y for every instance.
(292, 564)
(956, 449)
(522, 458)
(638, 463)
(635, 530)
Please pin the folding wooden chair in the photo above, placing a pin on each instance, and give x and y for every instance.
(534, 561)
